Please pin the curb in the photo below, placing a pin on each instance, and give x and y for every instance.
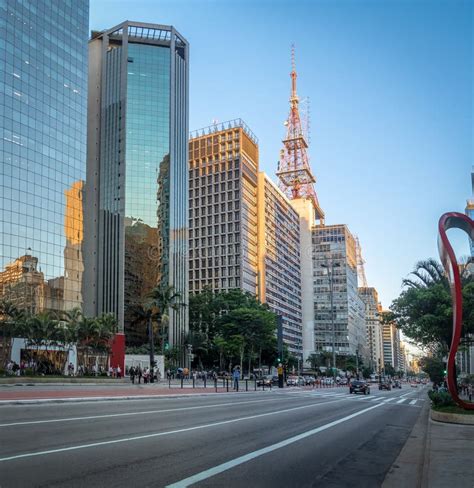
(452, 418)
(408, 468)
(36, 401)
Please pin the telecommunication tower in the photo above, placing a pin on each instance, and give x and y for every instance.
(360, 265)
(295, 177)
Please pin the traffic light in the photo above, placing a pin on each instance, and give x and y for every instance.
(278, 360)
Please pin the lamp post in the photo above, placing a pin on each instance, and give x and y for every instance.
(330, 269)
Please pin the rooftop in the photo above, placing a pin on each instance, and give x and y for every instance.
(223, 126)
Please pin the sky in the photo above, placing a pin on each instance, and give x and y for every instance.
(390, 84)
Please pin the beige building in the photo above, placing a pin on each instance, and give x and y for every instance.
(374, 337)
(223, 182)
(279, 273)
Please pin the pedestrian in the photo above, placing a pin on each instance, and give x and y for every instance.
(139, 374)
(119, 372)
(236, 376)
(132, 374)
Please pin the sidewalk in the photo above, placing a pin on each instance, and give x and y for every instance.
(57, 393)
(436, 455)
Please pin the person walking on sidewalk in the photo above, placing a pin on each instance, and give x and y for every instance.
(132, 374)
(236, 377)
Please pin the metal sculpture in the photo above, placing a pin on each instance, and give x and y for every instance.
(454, 220)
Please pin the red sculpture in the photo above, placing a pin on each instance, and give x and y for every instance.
(453, 220)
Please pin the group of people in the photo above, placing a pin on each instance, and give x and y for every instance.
(136, 372)
(467, 390)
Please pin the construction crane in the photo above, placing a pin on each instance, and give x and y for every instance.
(360, 265)
(295, 177)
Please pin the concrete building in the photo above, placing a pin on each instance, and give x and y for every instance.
(223, 185)
(334, 247)
(279, 274)
(373, 327)
(391, 346)
(43, 104)
(137, 173)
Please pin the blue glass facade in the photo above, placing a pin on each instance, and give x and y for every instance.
(43, 97)
(137, 172)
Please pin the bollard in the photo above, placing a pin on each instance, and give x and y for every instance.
(205, 382)
(246, 385)
(194, 382)
(215, 384)
(169, 382)
(223, 382)
(255, 384)
(181, 382)
(263, 385)
(227, 384)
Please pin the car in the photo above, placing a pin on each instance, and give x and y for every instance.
(397, 384)
(309, 380)
(292, 380)
(413, 385)
(265, 380)
(358, 386)
(385, 386)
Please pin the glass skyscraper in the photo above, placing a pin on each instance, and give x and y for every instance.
(137, 182)
(43, 97)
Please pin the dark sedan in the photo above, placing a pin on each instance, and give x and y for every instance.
(359, 387)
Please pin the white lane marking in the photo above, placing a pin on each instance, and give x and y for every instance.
(389, 399)
(401, 400)
(160, 434)
(112, 415)
(260, 452)
(413, 402)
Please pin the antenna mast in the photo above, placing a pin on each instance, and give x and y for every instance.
(294, 172)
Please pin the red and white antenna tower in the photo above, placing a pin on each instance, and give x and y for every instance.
(294, 172)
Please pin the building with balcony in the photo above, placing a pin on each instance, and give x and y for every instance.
(279, 261)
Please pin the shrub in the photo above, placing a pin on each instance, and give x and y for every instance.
(441, 399)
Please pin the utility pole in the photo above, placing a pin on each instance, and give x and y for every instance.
(152, 348)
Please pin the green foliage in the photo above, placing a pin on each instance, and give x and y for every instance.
(366, 372)
(423, 311)
(441, 399)
(434, 368)
(229, 327)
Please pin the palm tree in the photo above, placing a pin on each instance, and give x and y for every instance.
(162, 300)
(145, 314)
(42, 331)
(87, 333)
(426, 273)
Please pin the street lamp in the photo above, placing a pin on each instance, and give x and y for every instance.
(330, 269)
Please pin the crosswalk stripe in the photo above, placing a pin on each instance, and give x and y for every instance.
(413, 402)
(388, 400)
(401, 400)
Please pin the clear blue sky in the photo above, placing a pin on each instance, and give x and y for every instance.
(390, 84)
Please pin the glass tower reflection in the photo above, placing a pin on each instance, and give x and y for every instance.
(136, 239)
(43, 94)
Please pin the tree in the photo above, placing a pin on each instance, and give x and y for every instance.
(389, 369)
(434, 368)
(366, 373)
(423, 311)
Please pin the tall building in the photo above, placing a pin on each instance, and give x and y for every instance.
(334, 257)
(279, 282)
(43, 152)
(373, 327)
(223, 185)
(391, 345)
(137, 173)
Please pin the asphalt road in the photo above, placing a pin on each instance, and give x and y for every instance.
(283, 438)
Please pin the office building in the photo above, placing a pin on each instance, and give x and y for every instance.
(137, 174)
(279, 273)
(43, 152)
(334, 259)
(374, 337)
(391, 345)
(223, 185)
(470, 210)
